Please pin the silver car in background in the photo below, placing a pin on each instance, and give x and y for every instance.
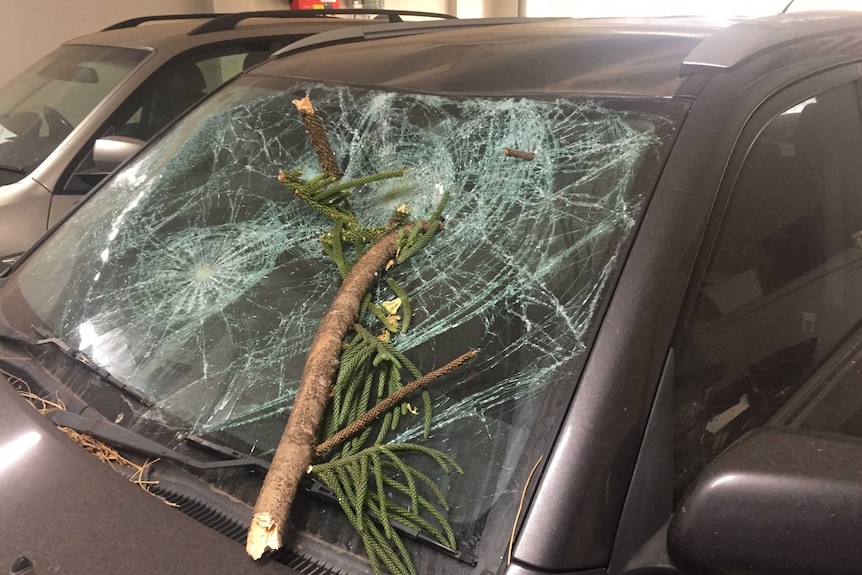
(74, 115)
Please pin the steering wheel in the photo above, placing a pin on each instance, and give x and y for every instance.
(58, 125)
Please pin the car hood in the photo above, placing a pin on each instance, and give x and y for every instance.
(67, 512)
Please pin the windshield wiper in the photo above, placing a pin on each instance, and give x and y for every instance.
(13, 169)
(84, 359)
(123, 438)
(319, 490)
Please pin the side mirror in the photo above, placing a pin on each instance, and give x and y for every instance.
(780, 501)
(111, 151)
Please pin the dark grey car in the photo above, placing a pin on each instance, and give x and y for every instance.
(650, 239)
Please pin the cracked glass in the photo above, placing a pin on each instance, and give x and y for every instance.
(196, 278)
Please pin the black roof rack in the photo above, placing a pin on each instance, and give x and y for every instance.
(218, 22)
(132, 22)
(229, 21)
(376, 31)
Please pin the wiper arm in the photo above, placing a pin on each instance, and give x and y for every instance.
(84, 359)
(319, 490)
(9, 334)
(229, 452)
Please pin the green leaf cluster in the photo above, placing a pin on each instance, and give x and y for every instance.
(409, 243)
(361, 481)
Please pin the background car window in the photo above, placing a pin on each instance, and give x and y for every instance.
(178, 85)
(43, 104)
(781, 292)
(169, 92)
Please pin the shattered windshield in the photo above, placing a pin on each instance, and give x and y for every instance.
(195, 277)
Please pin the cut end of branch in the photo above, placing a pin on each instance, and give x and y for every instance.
(263, 534)
(304, 105)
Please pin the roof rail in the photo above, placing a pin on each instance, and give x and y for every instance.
(741, 42)
(132, 22)
(376, 31)
(229, 21)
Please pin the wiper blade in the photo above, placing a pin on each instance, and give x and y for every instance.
(120, 437)
(319, 490)
(13, 169)
(84, 359)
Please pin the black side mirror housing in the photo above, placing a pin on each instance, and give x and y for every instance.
(778, 502)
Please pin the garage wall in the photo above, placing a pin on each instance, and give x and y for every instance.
(31, 29)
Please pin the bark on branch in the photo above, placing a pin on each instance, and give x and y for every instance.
(295, 450)
(317, 137)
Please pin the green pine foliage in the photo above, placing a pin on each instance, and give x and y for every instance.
(372, 479)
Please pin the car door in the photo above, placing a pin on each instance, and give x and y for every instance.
(780, 291)
(776, 311)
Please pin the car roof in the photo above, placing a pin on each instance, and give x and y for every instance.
(619, 56)
(636, 57)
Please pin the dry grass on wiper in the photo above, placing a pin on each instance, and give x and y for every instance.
(101, 450)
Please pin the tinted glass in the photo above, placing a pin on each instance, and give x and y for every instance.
(782, 290)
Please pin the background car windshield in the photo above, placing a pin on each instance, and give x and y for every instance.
(195, 277)
(43, 104)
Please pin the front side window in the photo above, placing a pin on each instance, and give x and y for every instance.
(165, 95)
(782, 290)
(179, 84)
(43, 104)
(196, 278)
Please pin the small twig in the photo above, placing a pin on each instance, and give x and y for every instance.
(389, 402)
(317, 136)
(520, 154)
(109, 455)
(520, 508)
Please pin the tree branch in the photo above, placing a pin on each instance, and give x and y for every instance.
(317, 136)
(295, 450)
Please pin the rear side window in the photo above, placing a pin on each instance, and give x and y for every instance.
(782, 291)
